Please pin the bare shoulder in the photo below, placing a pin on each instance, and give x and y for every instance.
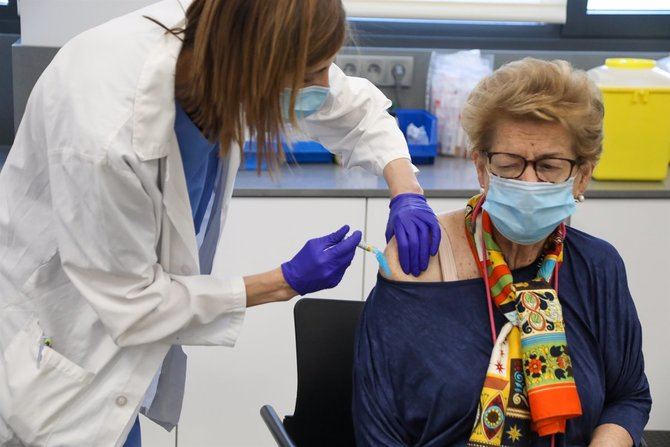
(431, 274)
(453, 227)
(453, 223)
(434, 272)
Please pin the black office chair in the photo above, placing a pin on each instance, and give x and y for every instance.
(656, 438)
(324, 333)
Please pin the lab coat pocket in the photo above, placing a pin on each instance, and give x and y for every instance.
(42, 384)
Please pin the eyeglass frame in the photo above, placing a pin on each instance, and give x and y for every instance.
(526, 161)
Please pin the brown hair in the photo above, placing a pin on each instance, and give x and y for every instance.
(537, 90)
(243, 53)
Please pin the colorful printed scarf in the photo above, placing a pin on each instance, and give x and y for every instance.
(529, 383)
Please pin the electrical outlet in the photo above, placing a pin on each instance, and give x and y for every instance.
(349, 64)
(406, 62)
(378, 69)
(374, 69)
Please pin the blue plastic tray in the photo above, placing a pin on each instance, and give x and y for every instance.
(299, 152)
(313, 152)
(422, 154)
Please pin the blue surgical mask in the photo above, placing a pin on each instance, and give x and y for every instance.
(528, 212)
(308, 101)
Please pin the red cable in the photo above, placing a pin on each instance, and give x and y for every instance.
(489, 299)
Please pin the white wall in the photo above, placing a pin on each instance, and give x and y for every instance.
(51, 23)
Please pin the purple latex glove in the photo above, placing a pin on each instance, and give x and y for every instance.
(416, 229)
(322, 262)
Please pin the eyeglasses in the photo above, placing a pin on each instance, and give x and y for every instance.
(547, 169)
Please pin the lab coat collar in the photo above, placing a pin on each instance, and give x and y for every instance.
(153, 122)
(154, 107)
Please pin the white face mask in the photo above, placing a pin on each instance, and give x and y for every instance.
(308, 101)
(527, 212)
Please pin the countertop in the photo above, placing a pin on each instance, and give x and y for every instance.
(447, 178)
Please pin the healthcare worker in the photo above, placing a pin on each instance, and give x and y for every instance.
(114, 194)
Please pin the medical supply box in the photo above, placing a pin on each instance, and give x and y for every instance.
(422, 154)
(636, 95)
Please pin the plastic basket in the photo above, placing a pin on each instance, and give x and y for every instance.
(302, 152)
(422, 154)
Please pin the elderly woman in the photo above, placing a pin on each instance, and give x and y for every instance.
(522, 331)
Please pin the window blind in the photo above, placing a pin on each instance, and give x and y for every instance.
(546, 11)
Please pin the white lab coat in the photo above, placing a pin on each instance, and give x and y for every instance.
(97, 244)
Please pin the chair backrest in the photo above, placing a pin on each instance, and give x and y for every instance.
(656, 438)
(325, 332)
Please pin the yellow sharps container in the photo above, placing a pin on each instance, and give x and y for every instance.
(636, 95)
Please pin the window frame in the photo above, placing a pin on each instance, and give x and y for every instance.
(580, 24)
(489, 36)
(549, 11)
(9, 18)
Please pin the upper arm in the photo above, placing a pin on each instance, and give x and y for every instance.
(354, 124)
(627, 400)
(104, 218)
(621, 332)
(432, 274)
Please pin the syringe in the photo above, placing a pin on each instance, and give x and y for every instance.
(381, 259)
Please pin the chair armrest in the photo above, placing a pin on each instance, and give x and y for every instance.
(276, 427)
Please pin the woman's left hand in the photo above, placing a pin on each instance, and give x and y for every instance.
(417, 231)
(611, 435)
